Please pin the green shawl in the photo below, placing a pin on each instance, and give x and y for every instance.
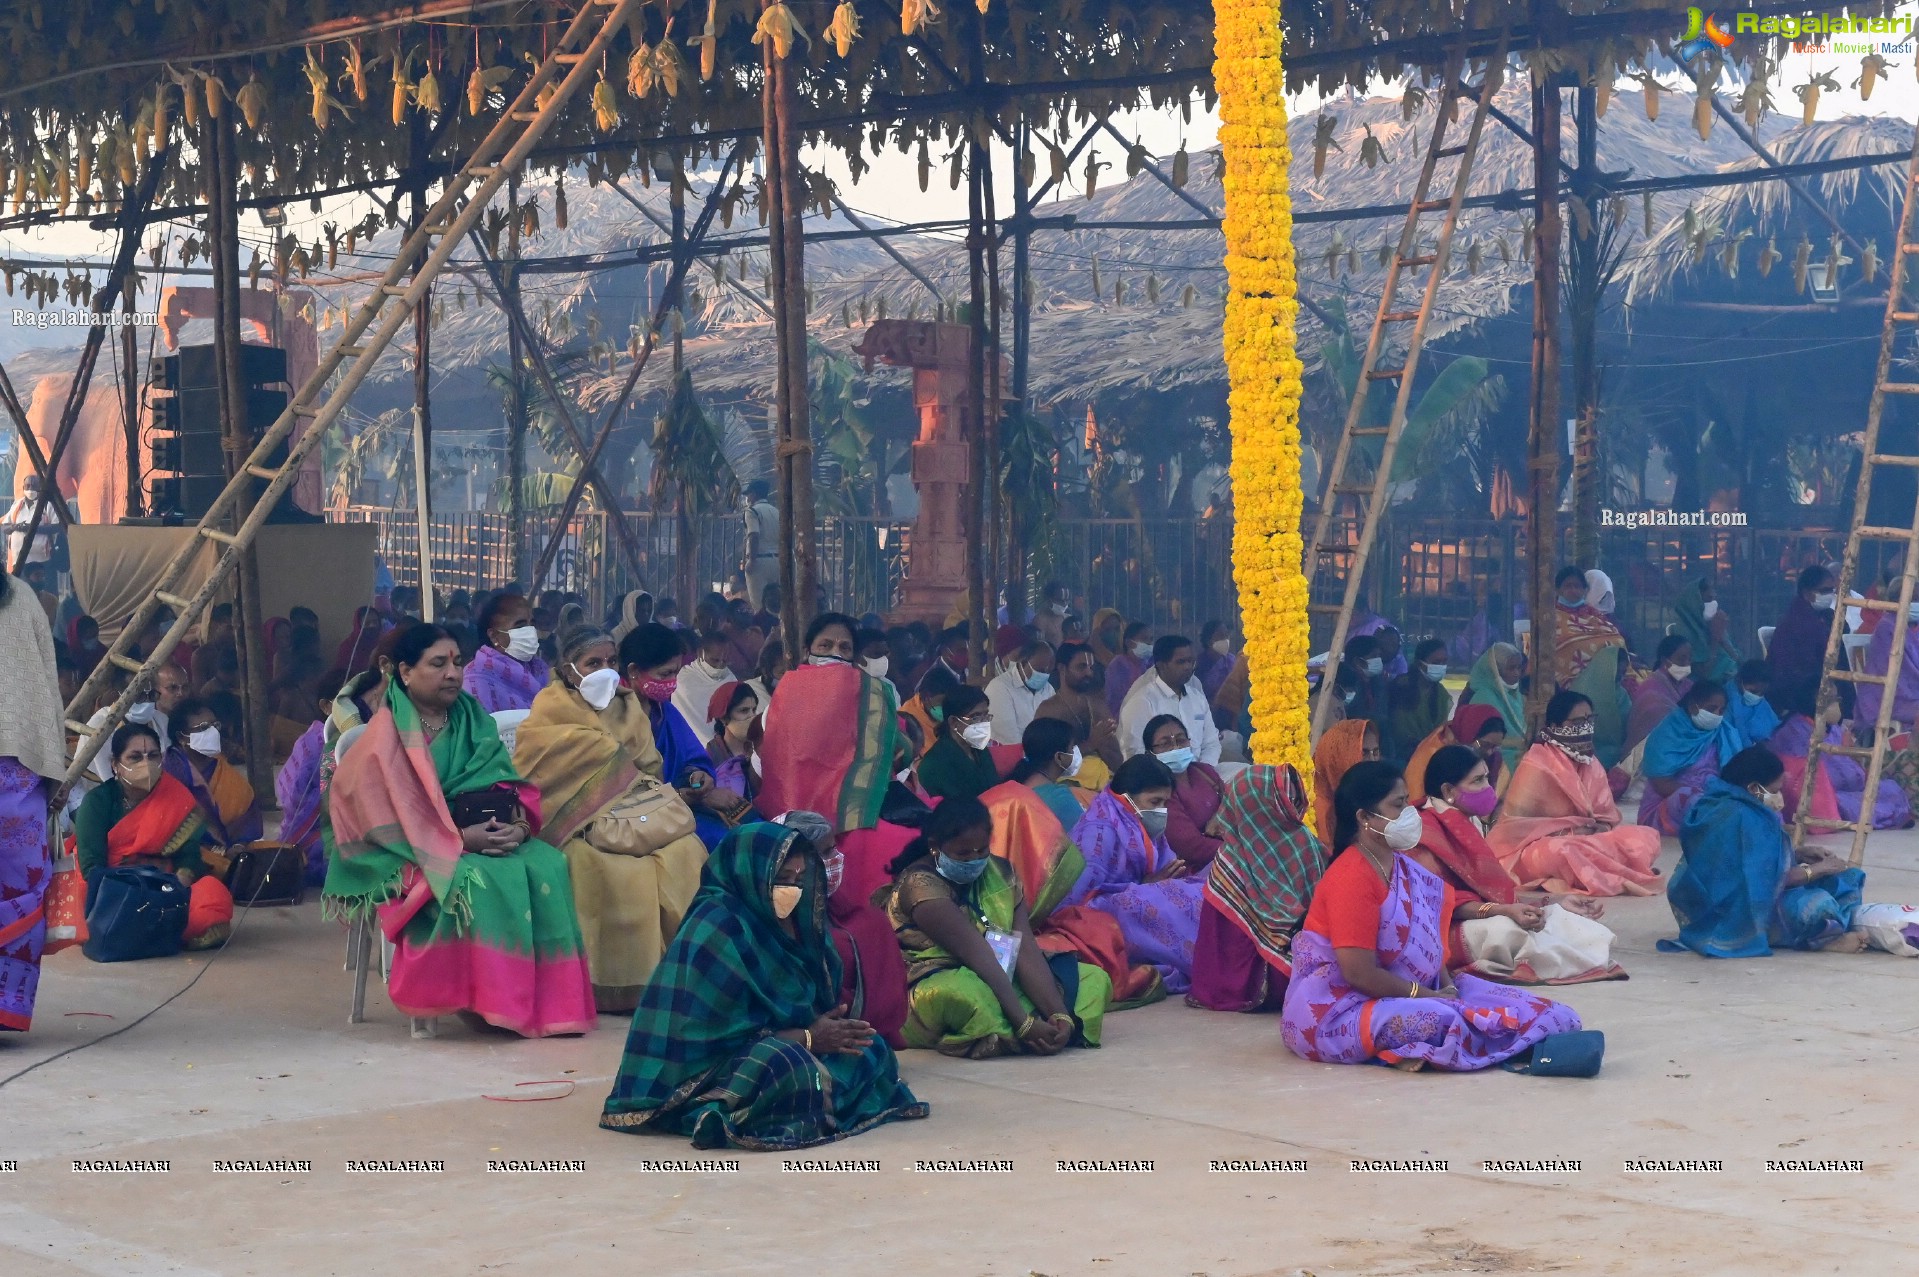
(1599, 683)
(1717, 662)
(1484, 688)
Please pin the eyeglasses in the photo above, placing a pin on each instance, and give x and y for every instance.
(1370, 755)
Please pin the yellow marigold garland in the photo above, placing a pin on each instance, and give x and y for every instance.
(1264, 374)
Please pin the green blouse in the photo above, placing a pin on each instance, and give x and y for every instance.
(953, 769)
(103, 808)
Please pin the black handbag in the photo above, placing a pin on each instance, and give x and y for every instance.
(137, 911)
(477, 806)
(268, 874)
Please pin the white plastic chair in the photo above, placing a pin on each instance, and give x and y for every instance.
(359, 936)
(1765, 639)
(508, 721)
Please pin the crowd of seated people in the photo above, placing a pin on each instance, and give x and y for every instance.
(788, 856)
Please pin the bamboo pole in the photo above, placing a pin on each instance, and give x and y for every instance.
(422, 363)
(516, 419)
(130, 400)
(1584, 296)
(1542, 444)
(799, 569)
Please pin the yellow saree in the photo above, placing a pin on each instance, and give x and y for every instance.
(629, 906)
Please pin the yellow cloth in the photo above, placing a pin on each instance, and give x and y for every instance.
(629, 906)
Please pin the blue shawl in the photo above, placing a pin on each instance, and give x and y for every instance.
(1734, 857)
(1676, 746)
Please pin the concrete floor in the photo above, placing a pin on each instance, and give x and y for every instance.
(1800, 1055)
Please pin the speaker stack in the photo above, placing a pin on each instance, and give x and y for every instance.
(187, 463)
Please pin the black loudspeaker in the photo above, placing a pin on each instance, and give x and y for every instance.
(194, 367)
(187, 453)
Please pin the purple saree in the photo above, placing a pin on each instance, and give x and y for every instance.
(298, 789)
(1160, 920)
(25, 874)
(499, 682)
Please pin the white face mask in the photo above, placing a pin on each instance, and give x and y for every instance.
(1511, 687)
(1072, 768)
(1058, 609)
(1402, 831)
(1142, 651)
(599, 687)
(1751, 699)
(522, 642)
(1710, 608)
(1435, 672)
(1825, 602)
(1375, 665)
(1705, 720)
(1223, 646)
(877, 666)
(1680, 673)
(205, 742)
(816, 659)
(1773, 798)
(714, 671)
(978, 735)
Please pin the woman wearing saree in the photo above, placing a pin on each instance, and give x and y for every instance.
(1659, 693)
(1512, 936)
(1742, 888)
(1703, 625)
(1494, 681)
(959, 765)
(650, 659)
(1256, 893)
(33, 757)
(1417, 702)
(1031, 814)
(1558, 828)
(297, 785)
(586, 745)
(1684, 752)
(1839, 785)
(733, 712)
(980, 985)
(481, 915)
(873, 973)
(1133, 875)
(1479, 728)
(232, 818)
(143, 816)
(507, 672)
(1374, 944)
(1193, 830)
(1580, 630)
(1346, 743)
(740, 1039)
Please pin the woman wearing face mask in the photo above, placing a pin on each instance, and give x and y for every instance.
(1417, 702)
(1580, 629)
(1839, 783)
(1134, 661)
(1520, 937)
(1344, 745)
(741, 1038)
(1215, 657)
(1558, 827)
(979, 984)
(704, 673)
(959, 765)
(1032, 813)
(143, 816)
(1133, 875)
(586, 746)
(1702, 622)
(1494, 681)
(1369, 967)
(1682, 754)
(1741, 888)
(1193, 828)
(649, 663)
(222, 790)
(1658, 692)
(733, 712)
(507, 672)
(1256, 893)
(1479, 728)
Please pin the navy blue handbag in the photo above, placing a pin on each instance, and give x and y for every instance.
(1576, 1054)
(136, 911)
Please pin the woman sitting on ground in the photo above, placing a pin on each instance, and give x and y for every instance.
(959, 765)
(587, 747)
(979, 983)
(1256, 893)
(1513, 936)
(650, 659)
(733, 712)
(1374, 944)
(1417, 702)
(1133, 875)
(231, 817)
(1659, 692)
(507, 672)
(432, 835)
(1839, 783)
(1479, 728)
(1345, 745)
(143, 816)
(1558, 828)
(1494, 680)
(1742, 888)
(1683, 754)
(1192, 814)
(873, 972)
(740, 1038)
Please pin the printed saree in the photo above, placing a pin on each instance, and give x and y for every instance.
(496, 935)
(1338, 750)
(1558, 830)
(499, 682)
(1728, 893)
(954, 1011)
(831, 735)
(703, 1058)
(297, 786)
(1612, 706)
(25, 874)
(1160, 919)
(1579, 634)
(581, 762)
(1259, 887)
(1328, 1021)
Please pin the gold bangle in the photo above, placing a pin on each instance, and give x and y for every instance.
(1026, 1026)
(809, 1040)
(1485, 907)
(1412, 990)
(1057, 1016)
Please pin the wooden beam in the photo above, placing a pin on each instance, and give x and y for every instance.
(1542, 442)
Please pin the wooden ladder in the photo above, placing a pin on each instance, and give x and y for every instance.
(1902, 316)
(573, 61)
(1408, 257)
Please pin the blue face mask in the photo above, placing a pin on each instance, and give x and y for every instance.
(1037, 681)
(1178, 760)
(959, 872)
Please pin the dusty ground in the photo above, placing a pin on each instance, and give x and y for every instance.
(1793, 1056)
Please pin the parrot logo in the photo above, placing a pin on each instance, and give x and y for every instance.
(1703, 34)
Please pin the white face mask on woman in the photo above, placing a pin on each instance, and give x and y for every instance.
(205, 742)
(600, 687)
(1402, 831)
(522, 642)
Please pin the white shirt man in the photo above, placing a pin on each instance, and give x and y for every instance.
(1170, 688)
(19, 515)
(1015, 694)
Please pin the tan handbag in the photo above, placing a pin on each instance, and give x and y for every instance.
(644, 819)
